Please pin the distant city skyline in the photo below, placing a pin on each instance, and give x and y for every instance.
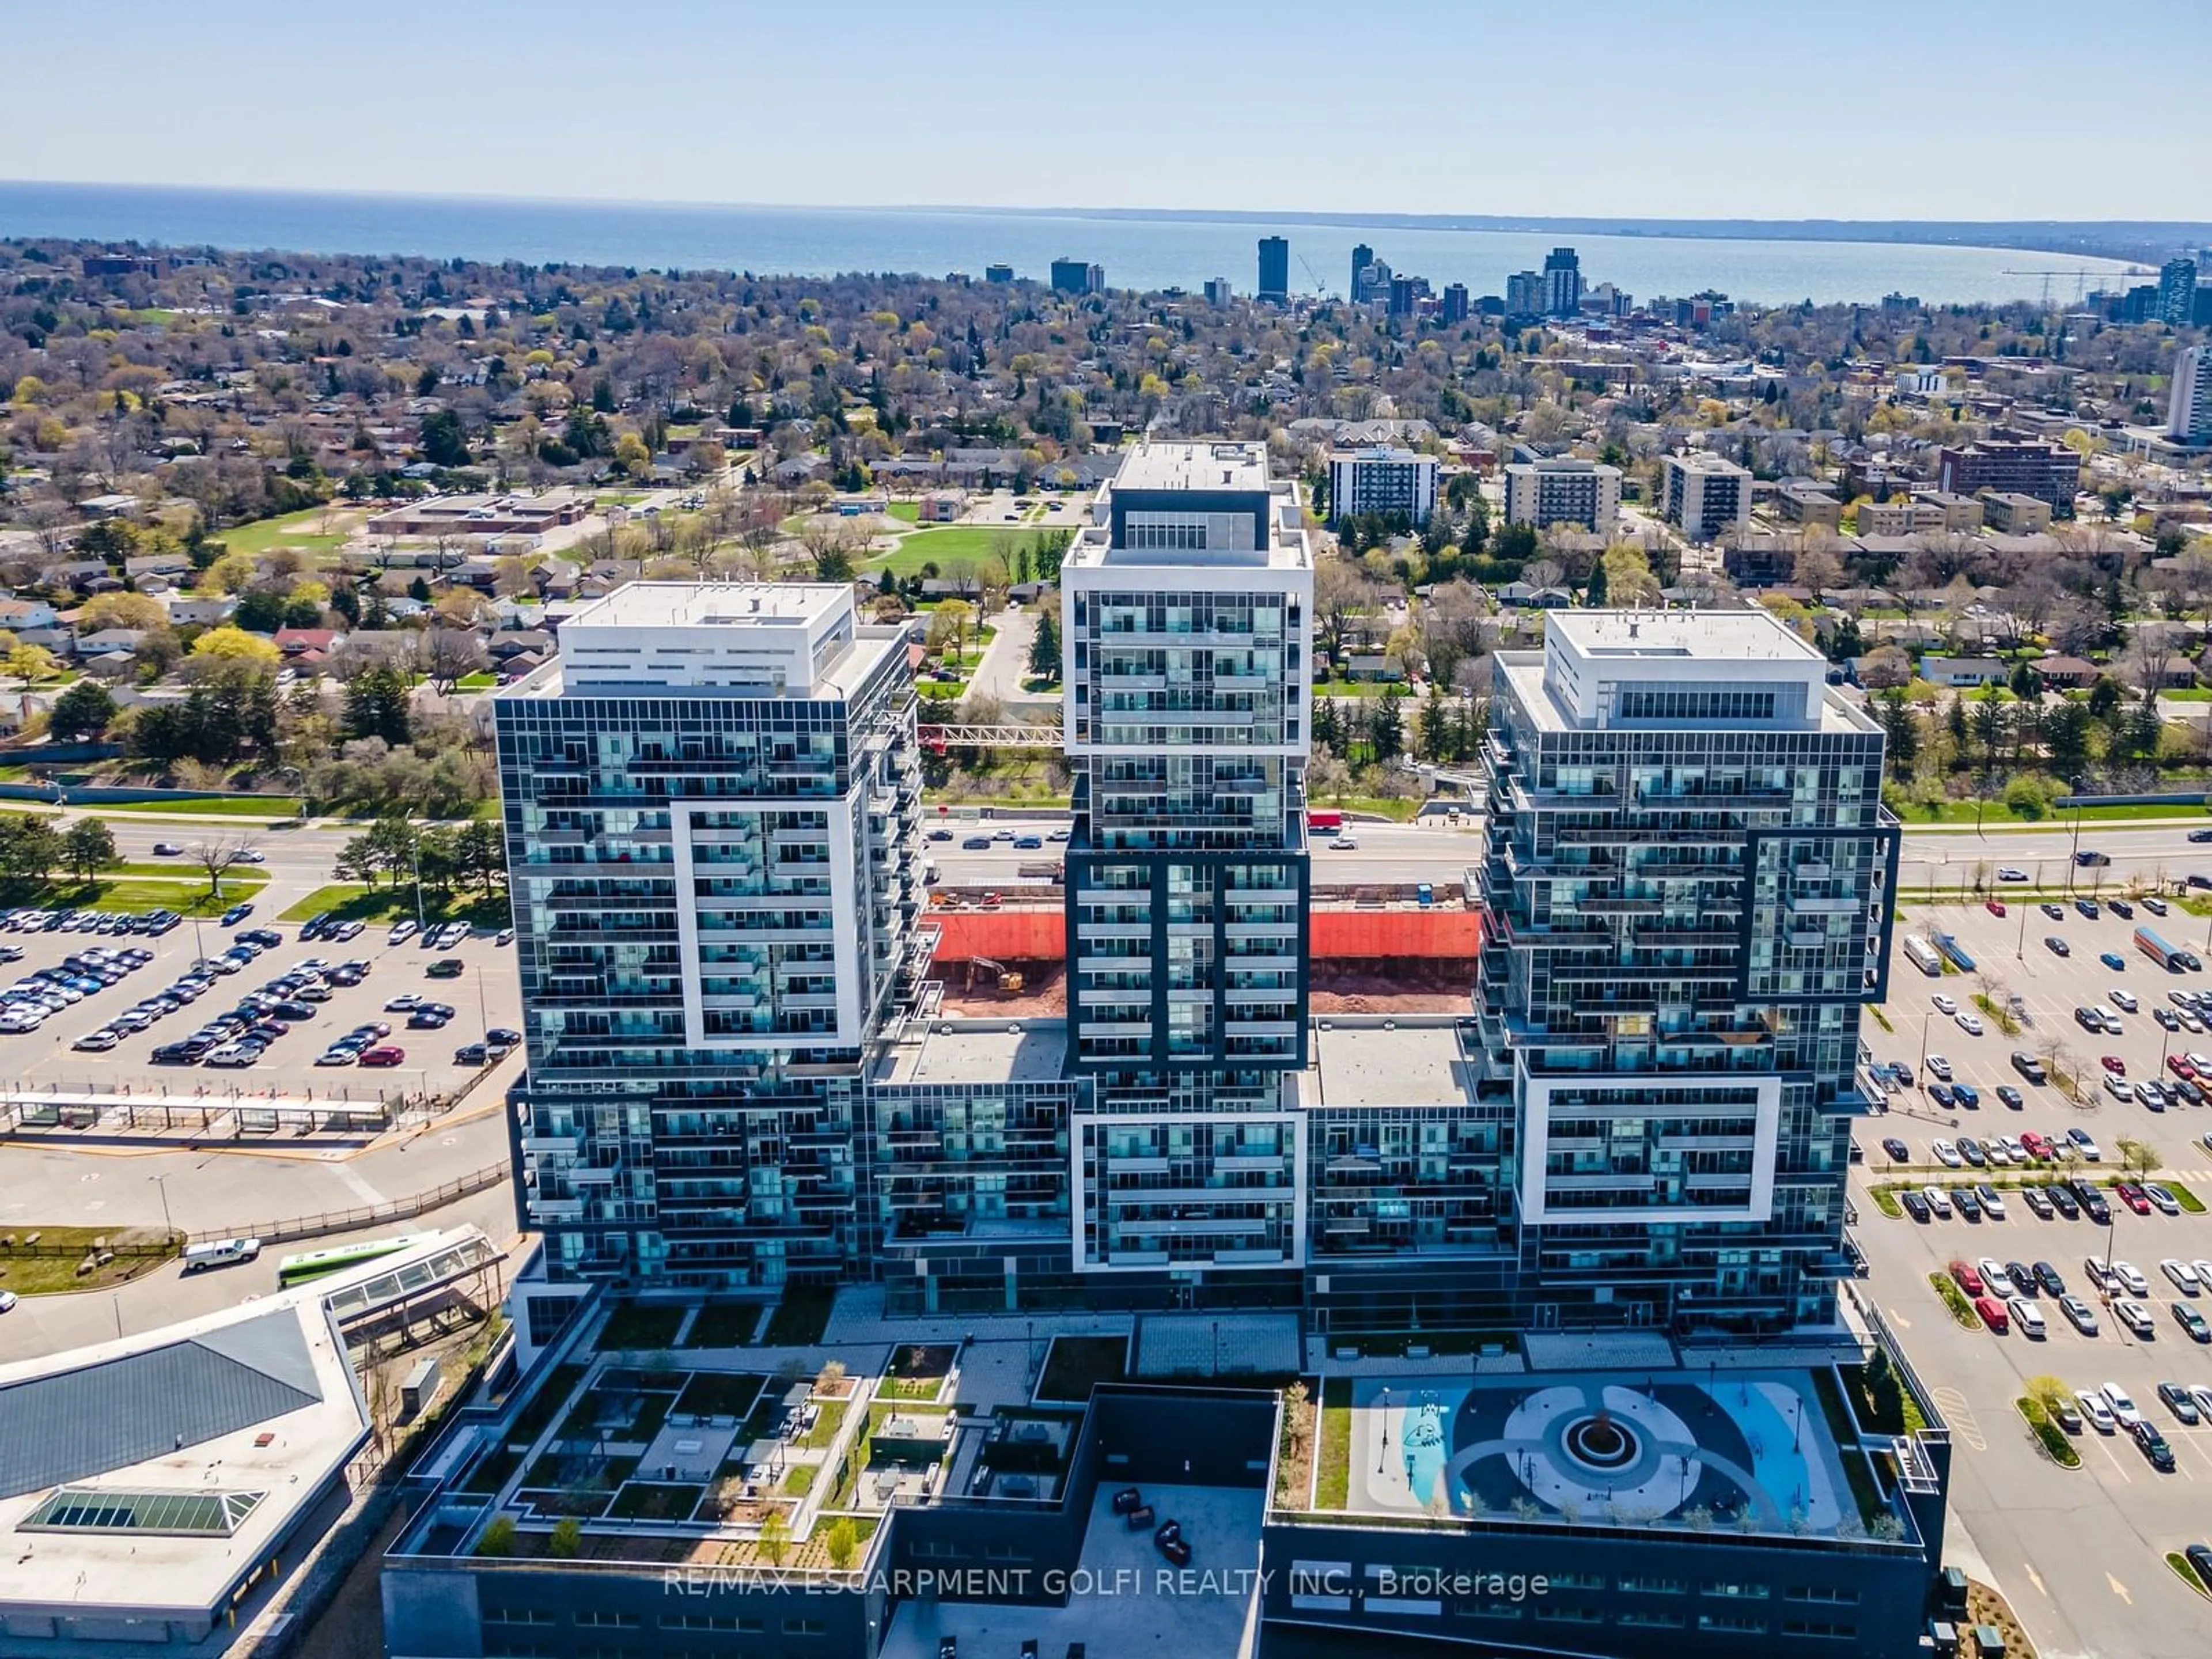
(1708, 115)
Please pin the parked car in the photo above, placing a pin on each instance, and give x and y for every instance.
(2059, 946)
(384, 1054)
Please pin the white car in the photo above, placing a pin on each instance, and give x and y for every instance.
(2099, 1413)
(1938, 1200)
(1939, 1067)
(2126, 1273)
(2085, 1144)
(406, 1002)
(97, 1041)
(1345, 844)
(2163, 1201)
(2011, 872)
(2011, 1147)
(1947, 1154)
(8, 1300)
(2202, 1396)
(1944, 1004)
(2183, 1275)
(2119, 1087)
(2202, 1269)
(2123, 1000)
(2028, 1318)
(400, 933)
(2198, 1063)
(1993, 1204)
(2121, 1404)
(2137, 1317)
(1995, 1279)
(1970, 1024)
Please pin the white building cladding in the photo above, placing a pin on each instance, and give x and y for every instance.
(1186, 606)
(712, 804)
(1686, 889)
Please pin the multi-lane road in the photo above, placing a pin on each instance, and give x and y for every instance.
(1432, 850)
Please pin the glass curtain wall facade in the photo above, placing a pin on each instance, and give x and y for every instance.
(714, 896)
(1186, 608)
(1687, 888)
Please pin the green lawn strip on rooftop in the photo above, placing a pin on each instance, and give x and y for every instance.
(1333, 1484)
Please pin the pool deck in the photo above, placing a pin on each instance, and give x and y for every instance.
(1752, 1449)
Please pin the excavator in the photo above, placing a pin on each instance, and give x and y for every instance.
(1007, 980)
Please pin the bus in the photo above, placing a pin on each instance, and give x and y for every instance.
(1947, 946)
(313, 1264)
(1921, 955)
(2158, 950)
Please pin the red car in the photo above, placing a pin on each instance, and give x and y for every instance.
(1995, 907)
(385, 1054)
(2179, 1066)
(2038, 1145)
(2113, 1064)
(1970, 1281)
(2133, 1197)
(1993, 1314)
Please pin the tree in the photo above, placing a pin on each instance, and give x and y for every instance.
(480, 854)
(2138, 1157)
(84, 710)
(774, 1536)
(567, 1540)
(88, 848)
(229, 644)
(842, 1541)
(449, 655)
(498, 1536)
(29, 848)
(216, 854)
(1044, 648)
(948, 626)
(444, 441)
(27, 665)
(376, 704)
(134, 610)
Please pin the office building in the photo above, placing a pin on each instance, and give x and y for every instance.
(1706, 495)
(2189, 409)
(2013, 513)
(2177, 293)
(1406, 295)
(1218, 291)
(1394, 484)
(712, 804)
(1186, 607)
(1274, 269)
(2050, 472)
(1563, 283)
(1372, 285)
(1074, 277)
(997, 273)
(1686, 891)
(1362, 257)
(1455, 305)
(1524, 294)
(1562, 491)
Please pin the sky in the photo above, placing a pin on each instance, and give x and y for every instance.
(1944, 109)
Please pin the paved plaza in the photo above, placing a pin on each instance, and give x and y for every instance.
(1750, 1451)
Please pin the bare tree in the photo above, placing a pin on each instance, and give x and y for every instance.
(450, 654)
(218, 853)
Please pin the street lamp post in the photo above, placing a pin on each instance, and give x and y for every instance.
(162, 1182)
(1383, 1453)
(1922, 1076)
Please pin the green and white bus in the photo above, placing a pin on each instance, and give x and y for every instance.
(313, 1264)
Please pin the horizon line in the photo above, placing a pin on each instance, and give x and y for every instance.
(1464, 219)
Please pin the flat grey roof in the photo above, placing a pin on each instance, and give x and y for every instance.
(1412, 1066)
(1716, 635)
(999, 1055)
(1194, 466)
(694, 604)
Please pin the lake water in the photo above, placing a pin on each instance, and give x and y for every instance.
(1136, 252)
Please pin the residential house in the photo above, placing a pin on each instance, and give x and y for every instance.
(156, 564)
(2060, 673)
(1526, 596)
(942, 506)
(505, 647)
(187, 609)
(109, 639)
(1963, 672)
(20, 616)
(310, 645)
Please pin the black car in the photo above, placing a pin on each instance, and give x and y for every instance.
(423, 1020)
(977, 844)
(1940, 1094)
(267, 938)
(315, 926)
(2063, 1201)
(2059, 947)
(471, 1053)
(1896, 1149)
(2154, 1445)
(1915, 1206)
(2011, 1096)
(2121, 909)
(2199, 1557)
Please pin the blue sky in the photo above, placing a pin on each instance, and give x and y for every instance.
(1955, 109)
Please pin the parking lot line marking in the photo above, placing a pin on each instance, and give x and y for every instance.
(2118, 1469)
(353, 1178)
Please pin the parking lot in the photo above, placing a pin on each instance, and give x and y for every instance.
(480, 987)
(2080, 1551)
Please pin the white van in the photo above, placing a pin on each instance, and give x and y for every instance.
(222, 1253)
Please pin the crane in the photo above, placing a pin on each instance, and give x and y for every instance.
(1319, 286)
